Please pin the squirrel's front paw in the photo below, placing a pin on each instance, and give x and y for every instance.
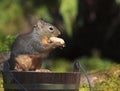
(42, 70)
(57, 41)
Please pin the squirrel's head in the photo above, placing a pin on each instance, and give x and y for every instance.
(43, 28)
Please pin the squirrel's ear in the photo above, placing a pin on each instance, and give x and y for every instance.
(40, 23)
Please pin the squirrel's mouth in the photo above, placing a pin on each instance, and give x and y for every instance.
(57, 34)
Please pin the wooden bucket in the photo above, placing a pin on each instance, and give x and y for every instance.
(37, 81)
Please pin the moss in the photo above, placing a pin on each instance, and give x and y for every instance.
(1, 83)
(107, 80)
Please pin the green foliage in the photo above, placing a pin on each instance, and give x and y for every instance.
(10, 12)
(117, 1)
(58, 65)
(1, 82)
(68, 10)
(44, 13)
(5, 43)
(84, 87)
(95, 63)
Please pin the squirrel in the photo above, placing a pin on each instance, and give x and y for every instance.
(30, 48)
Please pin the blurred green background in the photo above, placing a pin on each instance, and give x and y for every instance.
(90, 28)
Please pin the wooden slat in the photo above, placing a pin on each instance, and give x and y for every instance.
(56, 78)
(39, 81)
(42, 86)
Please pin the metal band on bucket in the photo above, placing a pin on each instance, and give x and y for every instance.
(42, 86)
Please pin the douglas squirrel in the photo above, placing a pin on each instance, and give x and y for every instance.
(29, 49)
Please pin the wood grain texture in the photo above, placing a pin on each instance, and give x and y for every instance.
(53, 80)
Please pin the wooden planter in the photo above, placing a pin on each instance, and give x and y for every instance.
(37, 81)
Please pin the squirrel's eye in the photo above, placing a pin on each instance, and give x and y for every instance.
(51, 29)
